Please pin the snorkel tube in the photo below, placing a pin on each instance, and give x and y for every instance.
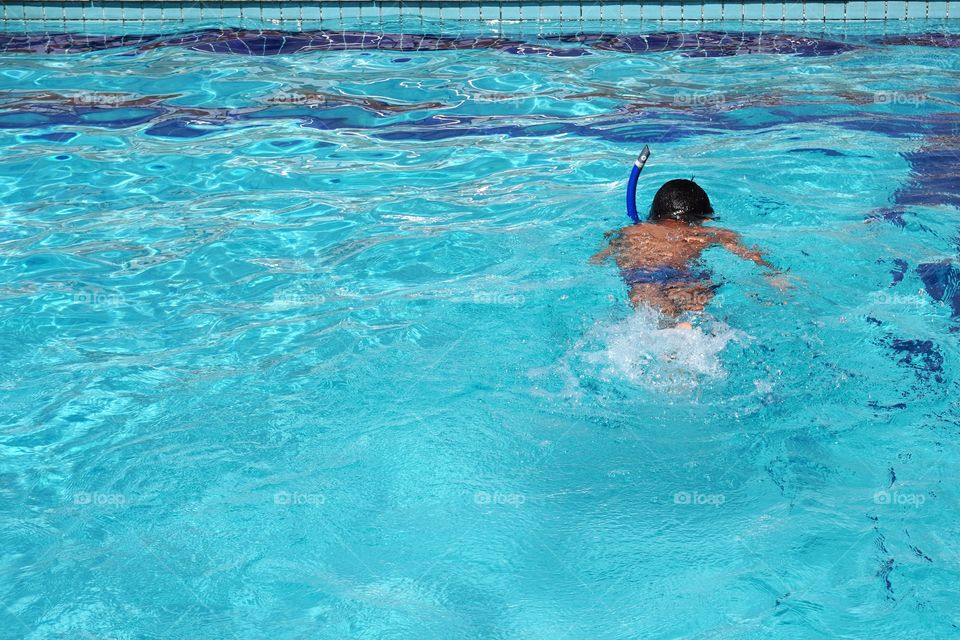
(632, 184)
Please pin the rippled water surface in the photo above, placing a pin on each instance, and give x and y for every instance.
(300, 338)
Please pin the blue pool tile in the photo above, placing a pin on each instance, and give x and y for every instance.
(937, 9)
(648, 11)
(857, 10)
(266, 11)
(814, 10)
(753, 10)
(591, 11)
(12, 12)
(734, 11)
(70, 11)
(834, 10)
(776, 11)
(671, 11)
(876, 10)
(353, 11)
(915, 9)
(548, 12)
(510, 11)
(471, 12)
(191, 11)
(34, 12)
(896, 10)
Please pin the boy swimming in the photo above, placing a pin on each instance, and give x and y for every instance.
(658, 258)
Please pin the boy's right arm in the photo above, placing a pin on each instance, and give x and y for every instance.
(600, 256)
(605, 253)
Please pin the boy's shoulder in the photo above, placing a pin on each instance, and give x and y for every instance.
(675, 232)
(639, 229)
(661, 229)
(719, 232)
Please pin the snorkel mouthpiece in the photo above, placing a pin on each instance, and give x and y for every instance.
(632, 184)
(642, 158)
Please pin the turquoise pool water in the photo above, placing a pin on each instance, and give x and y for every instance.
(300, 338)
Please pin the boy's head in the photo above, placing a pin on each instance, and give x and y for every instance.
(682, 200)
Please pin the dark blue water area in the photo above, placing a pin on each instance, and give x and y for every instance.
(58, 136)
(272, 43)
(627, 124)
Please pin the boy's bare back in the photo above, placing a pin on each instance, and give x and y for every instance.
(658, 262)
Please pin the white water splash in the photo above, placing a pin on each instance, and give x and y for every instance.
(637, 350)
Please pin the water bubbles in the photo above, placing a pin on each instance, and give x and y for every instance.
(639, 351)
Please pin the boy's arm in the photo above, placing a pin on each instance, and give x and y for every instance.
(730, 241)
(605, 253)
(600, 256)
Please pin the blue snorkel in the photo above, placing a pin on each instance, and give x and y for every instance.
(632, 184)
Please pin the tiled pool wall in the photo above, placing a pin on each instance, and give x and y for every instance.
(350, 14)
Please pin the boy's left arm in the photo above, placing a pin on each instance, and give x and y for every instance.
(730, 241)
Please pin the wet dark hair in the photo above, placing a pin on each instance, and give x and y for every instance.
(682, 200)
